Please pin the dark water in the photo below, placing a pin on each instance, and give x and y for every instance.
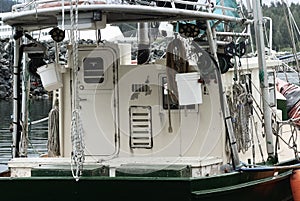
(38, 135)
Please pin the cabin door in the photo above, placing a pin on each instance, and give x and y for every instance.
(96, 97)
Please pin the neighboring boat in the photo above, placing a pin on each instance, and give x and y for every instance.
(186, 125)
(291, 92)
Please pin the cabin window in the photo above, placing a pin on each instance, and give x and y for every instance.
(93, 70)
(140, 127)
(173, 100)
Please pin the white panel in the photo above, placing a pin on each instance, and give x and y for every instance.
(96, 99)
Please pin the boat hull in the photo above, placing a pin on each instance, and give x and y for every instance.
(252, 185)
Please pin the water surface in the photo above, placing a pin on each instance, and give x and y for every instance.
(37, 138)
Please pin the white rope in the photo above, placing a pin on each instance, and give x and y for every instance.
(78, 145)
(241, 114)
(76, 127)
(39, 121)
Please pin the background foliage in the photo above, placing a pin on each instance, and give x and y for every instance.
(281, 36)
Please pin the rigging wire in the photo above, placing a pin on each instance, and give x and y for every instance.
(291, 142)
(291, 32)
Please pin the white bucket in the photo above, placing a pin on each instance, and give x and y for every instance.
(189, 89)
(50, 77)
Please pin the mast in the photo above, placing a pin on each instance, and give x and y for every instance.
(263, 76)
(16, 99)
(24, 107)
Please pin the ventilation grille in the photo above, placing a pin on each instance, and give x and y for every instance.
(140, 88)
(140, 127)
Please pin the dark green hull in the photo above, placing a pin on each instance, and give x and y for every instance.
(239, 186)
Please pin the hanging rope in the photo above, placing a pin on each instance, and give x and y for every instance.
(53, 132)
(76, 125)
(77, 145)
(176, 63)
(240, 110)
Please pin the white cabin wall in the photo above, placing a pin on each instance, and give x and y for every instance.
(197, 132)
(211, 129)
(148, 75)
(190, 136)
(65, 114)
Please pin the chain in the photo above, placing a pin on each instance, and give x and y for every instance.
(77, 145)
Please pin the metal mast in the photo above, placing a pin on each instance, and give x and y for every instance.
(263, 76)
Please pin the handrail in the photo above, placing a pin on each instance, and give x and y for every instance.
(39, 4)
(39, 121)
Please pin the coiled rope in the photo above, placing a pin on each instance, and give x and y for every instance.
(240, 110)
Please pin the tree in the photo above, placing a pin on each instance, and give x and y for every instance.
(281, 36)
(5, 5)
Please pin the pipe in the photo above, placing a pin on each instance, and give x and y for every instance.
(24, 111)
(270, 34)
(143, 43)
(263, 76)
(16, 97)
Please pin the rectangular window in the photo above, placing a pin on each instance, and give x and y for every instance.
(93, 70)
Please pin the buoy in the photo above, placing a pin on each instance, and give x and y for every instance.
(295, 184)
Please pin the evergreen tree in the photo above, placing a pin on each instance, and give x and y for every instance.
(5, 5)
(281, 36)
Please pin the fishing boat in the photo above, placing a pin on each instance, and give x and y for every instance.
(193, 119)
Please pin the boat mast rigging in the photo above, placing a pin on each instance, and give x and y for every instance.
(289, 18)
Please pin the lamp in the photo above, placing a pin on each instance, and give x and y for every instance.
(57, 34)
